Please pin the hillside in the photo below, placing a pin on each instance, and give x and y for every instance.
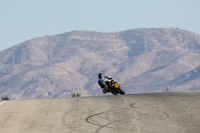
(142, 60)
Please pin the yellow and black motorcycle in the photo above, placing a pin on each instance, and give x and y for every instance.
(115, 88)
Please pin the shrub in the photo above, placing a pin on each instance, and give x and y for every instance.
(5, 98)
(76, 95)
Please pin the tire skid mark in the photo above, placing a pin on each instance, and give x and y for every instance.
(10, 116)
(93, 111)
(64, 116)
(143, 119)
(72, 123)
(106, 125)
(91, 116)
(109, 123)
(114, 121)
(91, 121)
(145, 116)
(46, 115)
(97, 114)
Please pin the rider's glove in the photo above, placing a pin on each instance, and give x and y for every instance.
(109, 77)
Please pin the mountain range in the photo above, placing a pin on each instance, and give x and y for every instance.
(142, 60)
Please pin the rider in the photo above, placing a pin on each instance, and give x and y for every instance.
(103, 82)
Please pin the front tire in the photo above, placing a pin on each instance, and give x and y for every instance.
(121, 90)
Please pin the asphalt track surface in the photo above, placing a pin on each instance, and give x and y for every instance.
(173, 112)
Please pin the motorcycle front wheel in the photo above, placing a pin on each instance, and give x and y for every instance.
(121, 90)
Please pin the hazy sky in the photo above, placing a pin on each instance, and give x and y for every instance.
(22, 20)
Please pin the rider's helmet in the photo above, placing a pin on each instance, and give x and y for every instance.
(100, 75)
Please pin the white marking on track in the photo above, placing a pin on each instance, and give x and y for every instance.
(1, 103)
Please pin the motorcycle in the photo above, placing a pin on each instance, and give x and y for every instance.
(115, 88)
